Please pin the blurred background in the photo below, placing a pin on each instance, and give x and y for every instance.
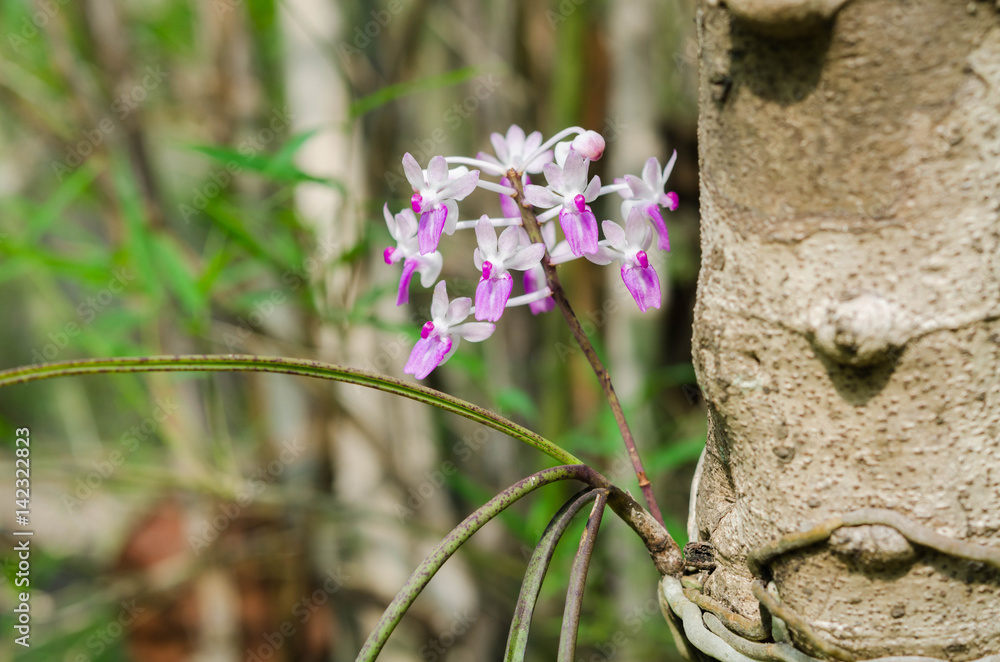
(208, 177)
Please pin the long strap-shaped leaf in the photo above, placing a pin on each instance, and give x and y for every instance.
(250, 363)
(578, 581)
(461, 533)
(517, 639)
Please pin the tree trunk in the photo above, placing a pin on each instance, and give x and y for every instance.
(847, 333)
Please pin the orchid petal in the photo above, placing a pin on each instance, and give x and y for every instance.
(643, 284)
(437, 172)
(593, 189)
(403, 295)
(574, 173)
(430, 228)
(414, 173)
(534, 280)
(491, 297)
(541, 196)
(637, 232)
(427, 354)
(429, 268)
(508, 242)
(580, 229)
(651, 173)
(525, 258)
(439, 303)
(474, 331)
(654, 214)
(460, 187)
(615, 235)
(458, 310)
(486, 236)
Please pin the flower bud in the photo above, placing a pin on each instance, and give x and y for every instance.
(590, 144)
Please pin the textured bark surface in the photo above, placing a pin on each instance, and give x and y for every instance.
(848, 321)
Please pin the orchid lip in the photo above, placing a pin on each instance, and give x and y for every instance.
(426, 330)
(387, 254)
(487, 269)
(416, 202)
(642, 259)
(581, 203)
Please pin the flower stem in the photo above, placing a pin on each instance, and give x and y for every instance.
(531, 225)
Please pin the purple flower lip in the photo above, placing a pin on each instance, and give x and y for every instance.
(426, 329)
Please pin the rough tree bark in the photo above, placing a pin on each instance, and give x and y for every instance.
(848, 321)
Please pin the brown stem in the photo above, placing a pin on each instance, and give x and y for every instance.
(531, 225)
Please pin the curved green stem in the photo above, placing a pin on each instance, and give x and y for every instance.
(578, 581)
(305, 368)
(458, 536)
(517, 639)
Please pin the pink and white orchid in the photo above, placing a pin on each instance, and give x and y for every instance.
(568, 188)
(629, 246)
(495, 259)
(403, 228)
(435, 192)
(439, 337)
(648, 195)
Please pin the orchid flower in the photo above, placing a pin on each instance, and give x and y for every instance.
(403, 228)
(495, 259)
(568, 187)
(440, 337)
(436, 191)
(629, 246)
(513, 149)
(648, 195)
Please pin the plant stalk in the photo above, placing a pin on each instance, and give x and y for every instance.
(559, 295)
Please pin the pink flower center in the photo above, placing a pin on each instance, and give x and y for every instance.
(387, 254)
(643, 260)
(581, 203)
(416, 202)
(426, 330)
(487, 269)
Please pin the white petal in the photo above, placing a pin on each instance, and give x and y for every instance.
(525, 258)
(667, 169)
(437, 173)
(474, 331)
(604, 255)
(508, 242)
(515, 141)
(554, 177)
(593, 189)
(406, 225)
(439, 304)
(574, 174)
(414, 174)
(637, 231)
(615, 236)
(458, 310)
(460, 187)
(429, 268)
(390, 221)
(500, 147)
(540, 196)
(651, 172)
(486, 235)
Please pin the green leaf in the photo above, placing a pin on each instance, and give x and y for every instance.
(176, 273)
(67, 191)
(399, 90)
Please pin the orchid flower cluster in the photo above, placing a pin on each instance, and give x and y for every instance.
(565, 161)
